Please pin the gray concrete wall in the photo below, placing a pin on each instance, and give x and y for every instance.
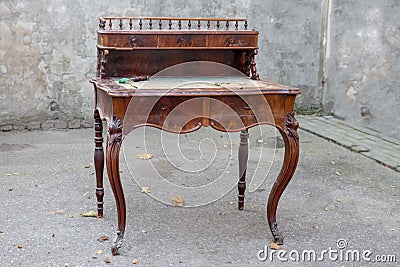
(363, 64)
(47, 53)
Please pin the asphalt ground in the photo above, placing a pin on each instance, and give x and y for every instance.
(338, 200)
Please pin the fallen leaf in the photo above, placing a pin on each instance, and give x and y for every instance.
(107, 260)
(74, 168)
(308, 193)
(89, 214)
(99, 252)
(326, 209)
(369, 218)
(94, 257)
(253, 207)
(225, 146)
(222, 213)
(8, 174)
(338, 200)
(332, 162)
(145, 189)
(392, 186)
(144, 156)
(70, 215)
(66, 264)
(260, 140)
(103, 238)
(231, 202)
(391, 229)
(15, 173)
(58, 211)
(91, 173)
(369, 179)
(19, 246)
(338, 173)
(315, 227)
(382, 188)
(135, 261)
(144, 231)
(274, 246)
(178, 200)
(87, 166)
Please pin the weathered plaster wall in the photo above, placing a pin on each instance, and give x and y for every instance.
(47, 54)
(363, 64)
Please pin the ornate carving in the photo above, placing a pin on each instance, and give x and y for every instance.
(278, 238)
(114, 131)
(103, 62)
(291, 125)
(253, 68)
(117, 243)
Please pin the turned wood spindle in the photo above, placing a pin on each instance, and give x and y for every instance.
(236, 25)
(110, 24)
(160, 24)
(208, 24)
(151, 24)
(245, 24)
(120, 24)
(218, 24)
(198, 25)
(189, 24)
(130, 24)
(170, 24)
(227, 24)
(102, 24)
(180, 25)
(140, 24)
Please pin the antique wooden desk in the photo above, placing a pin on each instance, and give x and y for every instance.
(141, 47)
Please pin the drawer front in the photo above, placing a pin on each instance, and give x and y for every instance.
(229, 40)
(132, 40)
(183, 40)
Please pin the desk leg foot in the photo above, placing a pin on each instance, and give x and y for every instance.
(291, 139)
(243, 157)
(99, 161)
(114, 140)
(116, 245)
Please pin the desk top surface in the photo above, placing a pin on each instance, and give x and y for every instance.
(191, 86)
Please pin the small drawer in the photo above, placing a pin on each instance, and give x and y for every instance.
(182, 40)
(230, 40)
(132, 40)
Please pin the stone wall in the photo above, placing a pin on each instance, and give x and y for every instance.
(48, 54)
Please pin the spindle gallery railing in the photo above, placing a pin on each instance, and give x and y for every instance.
(159, 23)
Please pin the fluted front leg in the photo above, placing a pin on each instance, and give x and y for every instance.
(114, 141)
(291, 139)
(243, 157)
(98, 161)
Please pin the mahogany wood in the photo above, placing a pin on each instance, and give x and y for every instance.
(129, 47)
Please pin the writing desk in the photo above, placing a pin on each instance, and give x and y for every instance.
(219, 97)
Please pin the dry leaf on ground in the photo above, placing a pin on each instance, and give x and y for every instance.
(338, 200)
(308, 193)
(135, 261)
(58, 211)
(74, 168)
(99, 252)
(89, 214)
(70, 215)
(274, 246)
(338, 173)
(144, 156)
(231, 202)
(87, 166)
(326, 209)
(145, 189)
(103, 238)
(107, 260)
(19, 246)
(178, 200)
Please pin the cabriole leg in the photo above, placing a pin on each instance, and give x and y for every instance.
(114, 141)
(291, 139)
